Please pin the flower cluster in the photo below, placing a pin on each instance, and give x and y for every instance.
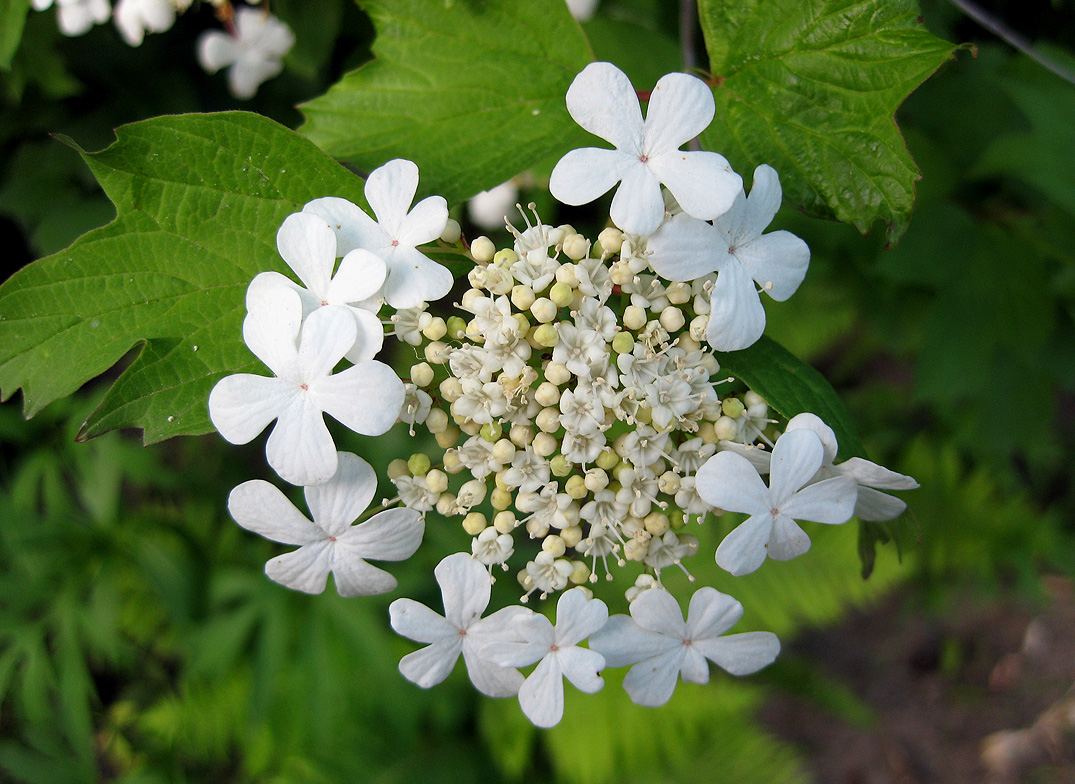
(581, 418)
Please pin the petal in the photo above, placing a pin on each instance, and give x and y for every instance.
(464, 587)
(360, 276)
(217, 50)
(264, 281)
(498, 627)
(652, 682)
(685, 248)
(370, 336)
(623, 642)
(872, 475)
(542, 694)
(259, 507)
(425, 223)
(741, 654)
(808, 421)
(680, 107)
(797, 456)
(638, 206)
(744, 549)
(340, 501)
(736, 316)
(695, 667)
(390, 190)
(577, 617)
(711, 613)
(702, 182)
(246, 76)
(787, 540)
(417, 622)
(355, 577)
(728, 481)
(271, 327)
(431, 664)
(490, 679)
(327, 334)
(367, 397)
(353, 227)
(305, 569)
(242, 405)
(414, 278)
(300, 448)
(603, 101)
(514, 654)
(308, 245)
(392, 535)
(830, 501)
(763, 201)
(875, 506)
(658, 611)
(777, 261)
(584, 174)
(582, 667)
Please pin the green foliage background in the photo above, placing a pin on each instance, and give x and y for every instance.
(139, 639)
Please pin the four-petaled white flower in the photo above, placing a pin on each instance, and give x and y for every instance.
(254, 53)
(871, 478)
(330, 543)
(413, 278)
(734, 247)
(464, 588)
(557, 652)
(308, 245)
(663, 647)
(728, 481)
(366, 397)
(602, 100)
(135, 18)
(76, 17)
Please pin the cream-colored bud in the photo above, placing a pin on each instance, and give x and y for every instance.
(726, 428)
(523, 321)
(576, 247)
(566, 274)
(446, 504)
(503, 451)
(470, 427)
(620, 445)
(668, 483)
(471, 297)
(607, 459)
(472, 493)
(452, 463)
(576, 487)
(596, 480)
(708, 433)
(398, 468)
(561, 295)
(521, 435)
(678, 293)
(560, 466)
(525, 582)
(687, 343)
(536, 528)
(554, 545)
(544, 444)
(580, 573)
(482, 249)
(504, 521)
(635, 549)
(522, 297)
(448, 437)
(548, 394)
(672, 319)
(732, 407)
(610, 239)
(752, 398)
(436, 481)
(557, 373)
(546, 336)
(476, 277)
(699, 325)
(621, 273)
(571, 535)
(656, 523)
(437, 420)
(548, 419)
(544, 309)
(500, 498)
(498, 479)
(452, 232)
(437, 352)
(709, 362)
(421, 374)
(436, 329)
(474, 523)
(634, 317)
(505, 257)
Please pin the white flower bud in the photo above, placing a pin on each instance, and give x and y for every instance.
(576, 247)
(476, 278)
(596, 480)
(437, 352)
(447, 437)
(437, 421)
(621, 273)
(544, 444)
(471, 494)
(547, 394)
(452, 463)
(452, 232)
(500, 498)
(421, 374)
(699, 325)
(571, 535)
(446, 504)
(580, 573)
(567, 275)
(634, 317)
(482, 249)
(672, 319)
(668, 483)
(522, 297)
(678, 293)
(436, 480)
(554, 545)
(436, 329)
(561, 294)
(505, 521)
(557, 373)
(544, 309)
(656, 523)
(521, 435)
(398, 468)
(708, 433)
(474, 523)
(576, 487)
(536, 528)
(451, 389)
(610, 239)
(548, 419)
(503, 451)
(726, 428)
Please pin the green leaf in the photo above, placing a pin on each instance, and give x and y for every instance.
(12, 20)
(199, 201)
(472, 91)
(791, 387)
(811, 89)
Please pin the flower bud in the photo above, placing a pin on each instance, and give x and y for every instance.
(452, 232)
(561, 294)
(421, 374)
(521, 435)
(607, 460)
(503, 451)
(580, 573)
(699, 325)
(576, 487)
(418, 464)
(672, 319)
(596, 480)
(491, 432)
(398, 468)
(554, 545)
(500, 498)
(448, 437)
(472, 493)
(505, 257)
(733, 407)
(451, 389)
(482, 249)
(708, 433)
(536, 528)
(522, 297)
(437, 352)
(436, 329)
(474, 523)
(437, 421)
(452, 463)
(634, 317)
(547, 394)
(560, 466)
(436, 481)
(726, 428)
(548, 419)
(544, 444)
(623, 343)
(457, 327)
(544, 309)
(656, 523)
(576, 247)
(678, 293)
(446, 504)
(610, 239)
(546, 336)
(557, 373)
(504, 522)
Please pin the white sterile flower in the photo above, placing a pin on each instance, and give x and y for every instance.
(76, 17)
(366, 397)
(308, 246)
(488, 209)
(135, 18)
(464, 588)
(253, 55)
(729, 481)
(557, 652)
(602, 100)
(663, 647)
(330, 543)
(872, 504)
(413, 278)
(735, 247)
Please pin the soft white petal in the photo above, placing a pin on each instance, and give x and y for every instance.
(787, 540)
(242, 405)
(797, 456)
(685, 248)
(414, 278)
(341, 500)
(623, 642)
(300, 448)
(603, 101)
(249, 72)
(425, 222)
(417, 622)
(431, 665)
(464, 586)
(369, 336)
(366, 397)
(741, 654)
(582, 667)
(490, 679)
(355, 577)
(498, 627)
(269, 280)
(305, 569)
(327, 334)
(216, 50)
(872, 475)
(638, 206)
(658, 611)
(875, 506)
(758, 457)
(736, 316)
(360, 276)
(308, 245)
(680, 107)
(353, 227)
(711, 613)
(703, 183)
(830, 501)
(542, 694)
(777, 261)
(728, 481)
(744, 549)
(577, 617)
(390, 190)
(808, 421)
(652, 682)
(763, 201)
(271, 327)
(584, 174)
(260, 507)
(392, 535)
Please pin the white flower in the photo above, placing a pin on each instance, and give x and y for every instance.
(330, 543)
(872, 504)
(464, 587)
(735, 247)
(663, 648)
(308, 246)
(77, 16)
(602, 100)
(413, 278)
(135, 18)
(557, 651)
(728, 481)
(254, 53)
(366, 397)
(488, 209)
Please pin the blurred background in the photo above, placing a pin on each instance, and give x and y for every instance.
(140, 641)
